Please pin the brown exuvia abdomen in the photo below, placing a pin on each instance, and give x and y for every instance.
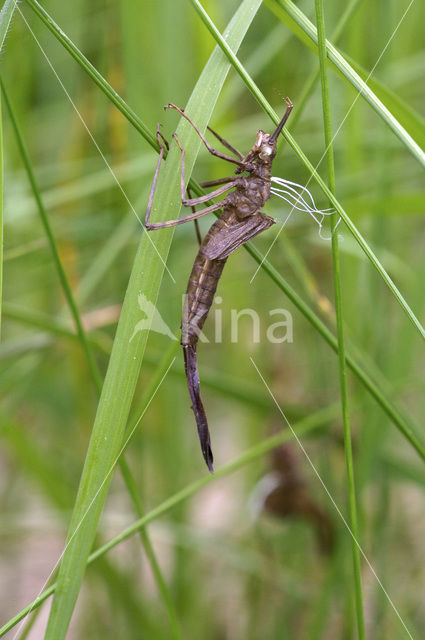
(200, 292)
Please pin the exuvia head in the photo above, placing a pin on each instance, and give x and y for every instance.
(263, 148)
(265, 144)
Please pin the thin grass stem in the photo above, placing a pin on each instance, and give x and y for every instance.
(327, 127)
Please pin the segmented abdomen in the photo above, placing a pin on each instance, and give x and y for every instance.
(200, 292)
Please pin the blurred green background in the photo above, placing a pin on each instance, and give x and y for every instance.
(232, 571)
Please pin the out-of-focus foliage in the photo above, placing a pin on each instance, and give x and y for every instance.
(232, 572)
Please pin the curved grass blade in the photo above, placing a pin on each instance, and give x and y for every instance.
(127, 354)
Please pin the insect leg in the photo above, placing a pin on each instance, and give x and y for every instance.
(210, 183)
(195, 214)
(226, 144)
(208, 196)
(214, 152)
(213, 183)
(191, 216)
(197, 230)
(161, 140)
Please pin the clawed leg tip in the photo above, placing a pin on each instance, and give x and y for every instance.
(170, 105)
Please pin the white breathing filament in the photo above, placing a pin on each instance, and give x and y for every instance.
(297, 200)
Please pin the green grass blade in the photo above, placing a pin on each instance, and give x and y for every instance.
(127, 354)
(303, 427)
(279, 6)
(327, 126)
(336, 204)
(84, 341)
(37, 602)
(6, 15)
